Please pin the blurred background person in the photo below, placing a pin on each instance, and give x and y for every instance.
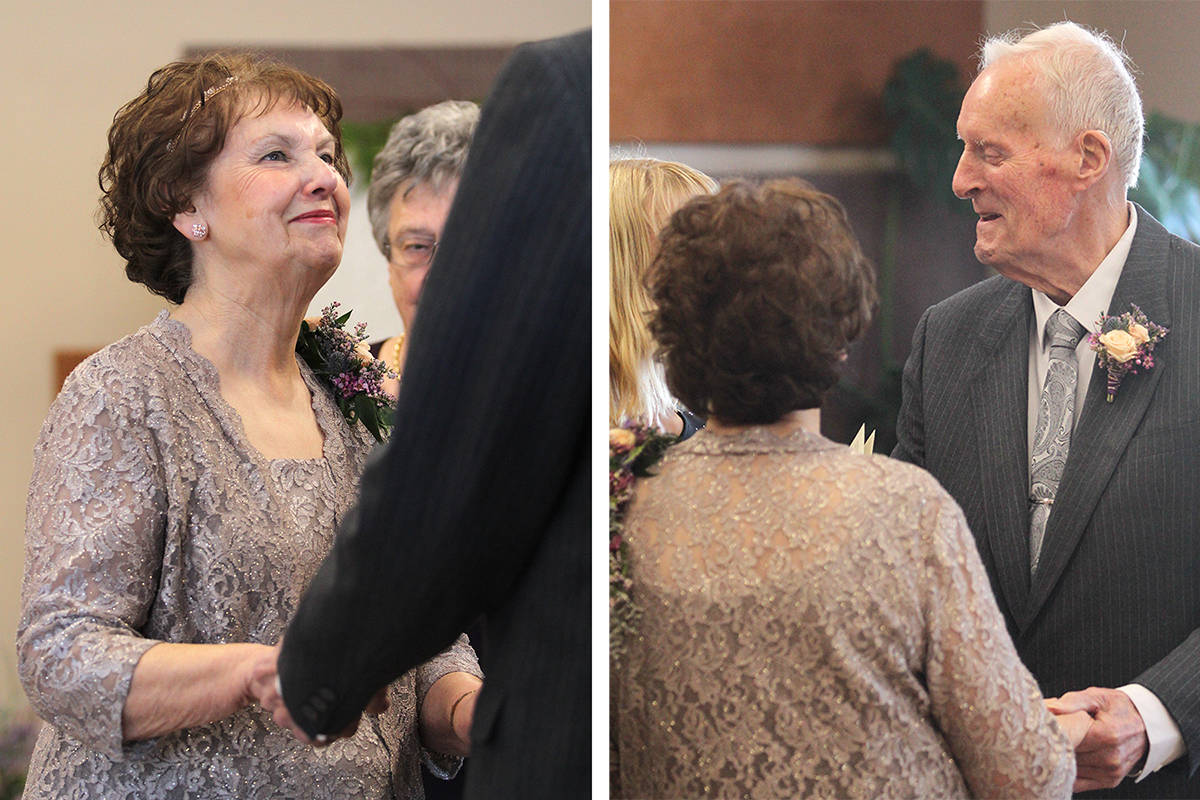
(189, 478)
(815, 622)
(643, 192)
(413, 182)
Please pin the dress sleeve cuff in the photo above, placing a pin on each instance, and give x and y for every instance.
(1166, 740)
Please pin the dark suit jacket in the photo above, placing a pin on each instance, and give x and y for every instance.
(479, 502)
(1116, 598)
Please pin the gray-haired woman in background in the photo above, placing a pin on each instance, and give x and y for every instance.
(413, 182)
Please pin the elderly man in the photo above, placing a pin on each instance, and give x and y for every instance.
(1083, 504)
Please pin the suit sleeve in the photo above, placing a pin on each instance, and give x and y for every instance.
(910, 425)
(1173, 682)
(492, 412)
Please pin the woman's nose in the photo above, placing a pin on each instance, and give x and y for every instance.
(322, 176)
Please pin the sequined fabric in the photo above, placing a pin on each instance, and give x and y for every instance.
(151, 518)
(818, 624)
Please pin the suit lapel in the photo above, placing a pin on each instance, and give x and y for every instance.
(1104, 428)
(999, 399)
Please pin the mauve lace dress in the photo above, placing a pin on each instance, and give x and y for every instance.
(152, 519)
(817, 623)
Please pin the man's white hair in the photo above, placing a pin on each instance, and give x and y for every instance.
(1087, 81)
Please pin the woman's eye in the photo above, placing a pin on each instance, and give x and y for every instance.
(415, 247)
(275, 155)
(327, 158)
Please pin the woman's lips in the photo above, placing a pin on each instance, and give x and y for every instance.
(316, 216)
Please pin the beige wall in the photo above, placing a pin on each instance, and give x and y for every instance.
(66, 66)
(1159, 35)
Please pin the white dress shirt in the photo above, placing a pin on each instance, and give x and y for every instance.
(1092, 300)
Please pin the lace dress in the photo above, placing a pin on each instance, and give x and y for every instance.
(818, 624)
(151, 518)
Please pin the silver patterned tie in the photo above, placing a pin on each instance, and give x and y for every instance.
(1052, 437)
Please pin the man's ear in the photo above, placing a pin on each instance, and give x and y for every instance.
(1095, 156)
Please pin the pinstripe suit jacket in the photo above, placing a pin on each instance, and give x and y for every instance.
(1116, 598)
(480, 501)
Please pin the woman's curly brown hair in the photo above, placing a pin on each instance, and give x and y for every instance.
(759, 291)
(162, 142)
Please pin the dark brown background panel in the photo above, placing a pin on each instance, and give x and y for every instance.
(383, 83)
(807, 71)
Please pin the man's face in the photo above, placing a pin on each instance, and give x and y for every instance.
(1016, 171)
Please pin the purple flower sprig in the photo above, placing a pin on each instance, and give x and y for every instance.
(355, 379)
(1124, 343)
(633, 451)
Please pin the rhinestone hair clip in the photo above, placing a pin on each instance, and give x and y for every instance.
(204, 98)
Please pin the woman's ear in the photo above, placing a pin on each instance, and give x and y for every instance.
(191, 224)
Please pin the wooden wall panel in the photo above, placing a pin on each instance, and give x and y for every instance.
(799, 71)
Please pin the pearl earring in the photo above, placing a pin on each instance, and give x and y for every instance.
(199, 231)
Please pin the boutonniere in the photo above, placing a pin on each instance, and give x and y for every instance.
(633, 451)
(342, 362)
(1125, 343)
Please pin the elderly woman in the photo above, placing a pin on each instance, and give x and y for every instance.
(413, 182)
(642, 192)
(189, 478)
(814, 623)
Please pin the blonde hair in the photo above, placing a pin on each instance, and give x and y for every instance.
(643, 193)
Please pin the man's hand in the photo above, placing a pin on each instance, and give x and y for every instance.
(1115, 742)
(1075, 725)
(264, 689)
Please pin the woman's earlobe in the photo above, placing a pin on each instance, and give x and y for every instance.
(190, 225)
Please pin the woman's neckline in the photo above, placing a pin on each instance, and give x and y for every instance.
(230, 415)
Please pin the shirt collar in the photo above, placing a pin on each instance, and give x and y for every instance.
(1094, 297)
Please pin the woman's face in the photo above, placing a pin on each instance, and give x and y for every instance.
(417, 216)
(273, 198)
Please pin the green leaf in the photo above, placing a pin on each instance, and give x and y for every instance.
(368, 413)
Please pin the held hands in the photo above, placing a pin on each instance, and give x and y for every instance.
(1111, 744)
(263, 688)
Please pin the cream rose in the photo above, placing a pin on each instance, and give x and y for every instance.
(1120, 345)
(1139, 333)
(621, 438)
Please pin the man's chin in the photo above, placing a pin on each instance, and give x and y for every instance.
(985, 255)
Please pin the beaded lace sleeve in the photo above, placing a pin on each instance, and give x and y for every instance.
(93, 545)
(982, 697)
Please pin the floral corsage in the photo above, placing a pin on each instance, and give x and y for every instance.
(1125, 343)
(633, 450)
(337, 357)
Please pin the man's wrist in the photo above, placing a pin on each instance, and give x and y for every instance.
(1164, 740)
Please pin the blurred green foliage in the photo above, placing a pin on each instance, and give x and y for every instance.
(1169, 181)
(362, 140)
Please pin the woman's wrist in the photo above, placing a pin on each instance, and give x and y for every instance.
(462, 717)
(447, 713)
